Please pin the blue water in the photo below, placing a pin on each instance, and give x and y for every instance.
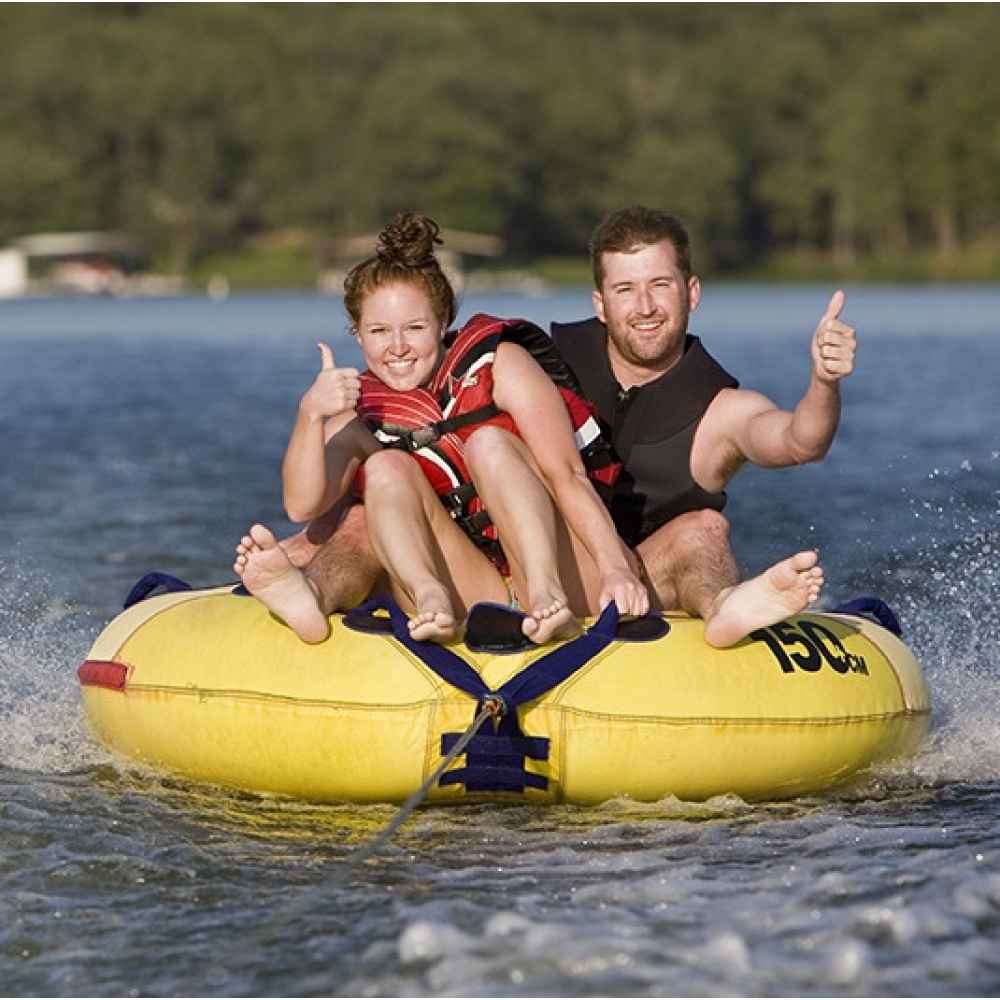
(146, 434)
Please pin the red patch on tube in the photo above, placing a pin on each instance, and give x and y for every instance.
(103, 673)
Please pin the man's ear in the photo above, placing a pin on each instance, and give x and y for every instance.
(694, 292)
(598, 299)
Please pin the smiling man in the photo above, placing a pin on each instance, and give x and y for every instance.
(682, 427)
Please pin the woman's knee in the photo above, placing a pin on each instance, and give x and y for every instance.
(390, 469)
(490, 449)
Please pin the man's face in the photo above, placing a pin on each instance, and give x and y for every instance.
(644, 301)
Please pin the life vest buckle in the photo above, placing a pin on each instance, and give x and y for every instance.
(423, 436)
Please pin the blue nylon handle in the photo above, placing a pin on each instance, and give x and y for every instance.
(443, 662)
(541, 676)
(554, 668)
(872, 607)
(149, 583)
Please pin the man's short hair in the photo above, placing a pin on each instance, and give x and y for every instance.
(629, 229)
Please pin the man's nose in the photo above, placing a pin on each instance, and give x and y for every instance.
(645, 302)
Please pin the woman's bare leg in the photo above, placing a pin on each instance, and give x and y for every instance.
(525, 516)
(435, 570)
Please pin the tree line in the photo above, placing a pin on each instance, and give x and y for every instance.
(844, 131)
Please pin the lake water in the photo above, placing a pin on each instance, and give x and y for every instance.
(146, 434)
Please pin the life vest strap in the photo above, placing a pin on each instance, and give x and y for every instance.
(415, 438)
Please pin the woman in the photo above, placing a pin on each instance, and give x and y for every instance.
(501, 428)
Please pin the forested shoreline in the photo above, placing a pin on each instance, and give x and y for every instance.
(841, 136)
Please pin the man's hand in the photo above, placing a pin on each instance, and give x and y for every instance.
(335, 391)
(833, 344)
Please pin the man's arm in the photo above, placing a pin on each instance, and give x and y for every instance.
(745, 426)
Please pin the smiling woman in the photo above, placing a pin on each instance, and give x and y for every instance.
(473, 452)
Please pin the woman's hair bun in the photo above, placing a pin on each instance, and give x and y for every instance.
(409, 240)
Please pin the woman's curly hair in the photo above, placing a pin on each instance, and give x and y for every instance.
(405, 253)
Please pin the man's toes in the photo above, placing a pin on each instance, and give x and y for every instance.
(262, 536)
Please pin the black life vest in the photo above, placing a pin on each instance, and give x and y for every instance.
(651, 427)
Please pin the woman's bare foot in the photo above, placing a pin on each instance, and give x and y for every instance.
(785, 589)
(548, 619)
(269, 574)
(434, 618)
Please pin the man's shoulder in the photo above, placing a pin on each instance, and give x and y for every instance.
(731, 409)
(581, 343)
(588, 329)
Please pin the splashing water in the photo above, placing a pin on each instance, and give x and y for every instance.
(947, 593)
(43, 639)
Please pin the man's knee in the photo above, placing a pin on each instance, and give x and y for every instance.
(690, 532)
(700, 528)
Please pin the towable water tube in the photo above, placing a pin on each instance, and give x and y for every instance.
(209, 685)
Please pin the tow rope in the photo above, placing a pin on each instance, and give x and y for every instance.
(490, 711)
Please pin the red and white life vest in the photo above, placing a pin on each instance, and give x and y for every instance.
(434, 422)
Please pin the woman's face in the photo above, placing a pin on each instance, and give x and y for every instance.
(400, 336)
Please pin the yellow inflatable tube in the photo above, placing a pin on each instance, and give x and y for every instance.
(209, 685)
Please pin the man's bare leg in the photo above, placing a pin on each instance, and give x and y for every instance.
(688, 562)
(344, 570)
(270, 576)
(302, 547)
(690, 565)
(330, 566)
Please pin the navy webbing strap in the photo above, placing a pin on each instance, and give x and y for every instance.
(150, 582)
(874, 608)
(534, 681)
(494, 760)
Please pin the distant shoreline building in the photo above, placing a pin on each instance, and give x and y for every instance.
(82, 263)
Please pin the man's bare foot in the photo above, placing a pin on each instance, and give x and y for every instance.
(434, 618)
(279, 585)
(299, 548)
(548, 619)
(785, 589)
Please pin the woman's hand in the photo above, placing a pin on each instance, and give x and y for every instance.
(627, 591)
(334, 391)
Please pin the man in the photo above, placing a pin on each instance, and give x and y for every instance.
(683, 429)
(680, 425)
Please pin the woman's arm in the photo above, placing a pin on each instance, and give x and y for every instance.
(327, 444)
(523, 390)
